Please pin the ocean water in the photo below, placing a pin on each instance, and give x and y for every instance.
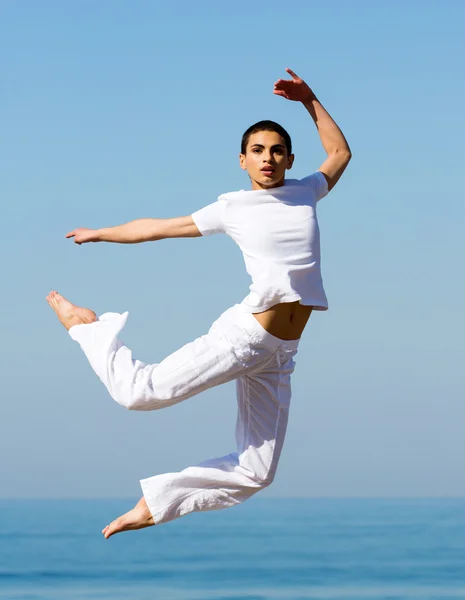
(266, 549)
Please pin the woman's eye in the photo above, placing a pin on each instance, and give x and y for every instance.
(256, 150)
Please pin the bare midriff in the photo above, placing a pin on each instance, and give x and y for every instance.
(285, 321)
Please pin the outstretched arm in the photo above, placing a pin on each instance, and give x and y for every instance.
(141, 230)
(331, 136)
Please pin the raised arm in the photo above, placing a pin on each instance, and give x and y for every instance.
(331, 136)
(140, 230)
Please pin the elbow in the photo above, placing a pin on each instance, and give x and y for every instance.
(347, 152)
(343, 154)
(344, 157)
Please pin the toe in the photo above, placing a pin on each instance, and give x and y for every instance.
(114, 527)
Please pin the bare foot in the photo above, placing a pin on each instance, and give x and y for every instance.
(137, 518)
(70, 314)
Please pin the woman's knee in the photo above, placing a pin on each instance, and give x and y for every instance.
(146, 397)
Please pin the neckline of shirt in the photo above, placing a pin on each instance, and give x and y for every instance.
(273, 189)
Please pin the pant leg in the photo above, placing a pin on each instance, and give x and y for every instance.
(263, 396)
(208, 361)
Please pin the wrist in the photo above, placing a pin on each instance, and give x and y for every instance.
(101, 235)
(308, 100)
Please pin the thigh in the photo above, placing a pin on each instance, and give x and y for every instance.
(223, 354)
(206, 362)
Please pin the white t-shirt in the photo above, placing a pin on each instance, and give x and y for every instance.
(277, 231)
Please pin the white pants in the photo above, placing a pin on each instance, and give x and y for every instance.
(236, 347)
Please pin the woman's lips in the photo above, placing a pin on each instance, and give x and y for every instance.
(267, 172)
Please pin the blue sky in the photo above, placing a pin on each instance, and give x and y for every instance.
(112, 111)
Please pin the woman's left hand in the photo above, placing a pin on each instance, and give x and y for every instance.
(295, 89)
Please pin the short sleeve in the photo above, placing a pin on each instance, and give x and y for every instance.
(210, 219)
(318, 183)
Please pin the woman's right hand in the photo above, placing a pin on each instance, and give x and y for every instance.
(82, 235)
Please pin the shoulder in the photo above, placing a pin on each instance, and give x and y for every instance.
(316, 182)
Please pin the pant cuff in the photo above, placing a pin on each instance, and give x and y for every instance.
(116, 319)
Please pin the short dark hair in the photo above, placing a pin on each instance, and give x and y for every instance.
(266, 126)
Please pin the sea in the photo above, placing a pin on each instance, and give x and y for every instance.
(266, 549)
